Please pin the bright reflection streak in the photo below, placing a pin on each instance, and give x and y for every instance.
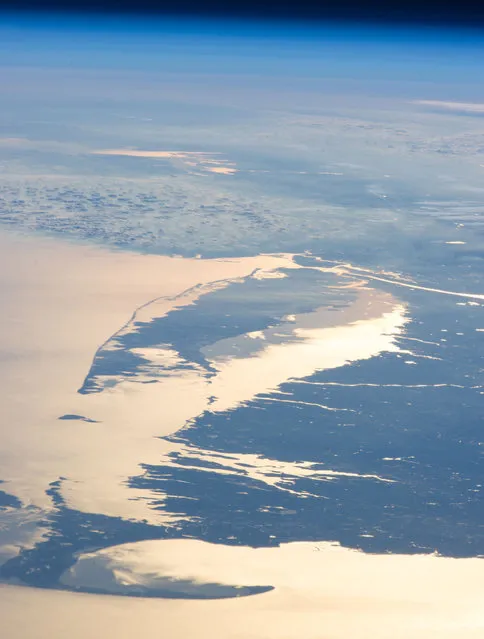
(294, 349)
(59, 303)
(275, 473)
(98, 457)
(362, 330)
(321, 585)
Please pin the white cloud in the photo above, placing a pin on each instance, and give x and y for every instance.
(470, 107)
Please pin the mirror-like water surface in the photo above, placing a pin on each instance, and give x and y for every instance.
(240, 332)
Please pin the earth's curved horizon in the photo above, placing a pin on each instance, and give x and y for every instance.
(241, 272)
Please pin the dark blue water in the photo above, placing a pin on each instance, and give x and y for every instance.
(380, 450)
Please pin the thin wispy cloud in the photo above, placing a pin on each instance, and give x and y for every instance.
(469, 107)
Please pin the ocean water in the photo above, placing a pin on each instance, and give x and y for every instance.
(241, 329)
